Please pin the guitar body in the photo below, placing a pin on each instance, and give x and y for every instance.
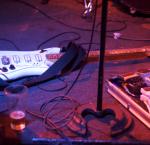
(17, 64)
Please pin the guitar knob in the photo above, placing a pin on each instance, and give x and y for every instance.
(4, 69)
(12, 67)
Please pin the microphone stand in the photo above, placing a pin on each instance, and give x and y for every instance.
(99, 113)
(124, 121)
(102, 54)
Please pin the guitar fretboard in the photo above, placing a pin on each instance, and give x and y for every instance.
(112, 54)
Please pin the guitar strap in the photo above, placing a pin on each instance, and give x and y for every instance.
(3, 84)
(73, 56)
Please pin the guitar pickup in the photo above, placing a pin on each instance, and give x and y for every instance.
(38, 57)
(27, 58)
(16, 58)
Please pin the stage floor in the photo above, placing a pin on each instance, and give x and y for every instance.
(28, 25)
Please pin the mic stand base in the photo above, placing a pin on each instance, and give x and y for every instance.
(97, 114)
(119, 121)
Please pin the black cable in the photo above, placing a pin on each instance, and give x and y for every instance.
(89, 48)
(46, 41)
(52, 18)
(11, 42)
(56, 89)
(58, 35)
(124, 25)
(87, 43)
(82, 29)
(70, 40)
(44, 105)
(63, 121)
(47, 115)
(128, 38)
(91, 39)
(65, 24)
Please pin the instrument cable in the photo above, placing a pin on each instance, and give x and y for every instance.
(44, 105)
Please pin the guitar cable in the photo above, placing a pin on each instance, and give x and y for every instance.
(91, 39)
(67, 25)
(58, 35)
(65, 85)
(11, 42)
(44, 105)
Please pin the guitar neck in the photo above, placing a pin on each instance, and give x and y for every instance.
(123, 54)
(117, 54)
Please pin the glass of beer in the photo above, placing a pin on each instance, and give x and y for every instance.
(16, 102)
(17, 122)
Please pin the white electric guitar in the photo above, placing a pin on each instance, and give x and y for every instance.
(17, 64)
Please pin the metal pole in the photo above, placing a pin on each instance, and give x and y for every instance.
(102, 54)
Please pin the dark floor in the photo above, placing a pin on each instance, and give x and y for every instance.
(29, 25)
